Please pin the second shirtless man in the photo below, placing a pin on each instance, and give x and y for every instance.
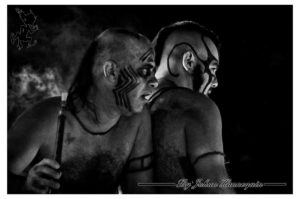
(187, 128)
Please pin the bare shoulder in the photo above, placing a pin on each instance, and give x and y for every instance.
(29, 132)
(197, 109)
(39, 115)
(185, 100)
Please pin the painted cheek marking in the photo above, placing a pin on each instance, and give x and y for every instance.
(206, 63)
(127, 81)
(210, 79)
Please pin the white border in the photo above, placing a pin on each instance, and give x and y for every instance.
(3, 93)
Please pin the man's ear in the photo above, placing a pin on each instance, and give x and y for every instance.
(111, 71)
(189, 61)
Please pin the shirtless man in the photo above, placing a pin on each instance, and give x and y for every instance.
(186, 123)
(107, 134)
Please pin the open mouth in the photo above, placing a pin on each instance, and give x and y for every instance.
(146, 96)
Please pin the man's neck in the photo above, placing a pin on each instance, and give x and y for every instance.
(162, 85)
(104, 114)
(165, 83)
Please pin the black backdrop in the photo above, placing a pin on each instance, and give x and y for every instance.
(255, 76)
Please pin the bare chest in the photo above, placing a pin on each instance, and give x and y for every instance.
(94, 163)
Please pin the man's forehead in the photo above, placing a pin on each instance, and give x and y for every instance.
(195, 39)
(204, 45)
(142, 49)
(143, 56)
(147, 56)
(211, 47)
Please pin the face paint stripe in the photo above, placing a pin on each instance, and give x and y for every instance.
(208, 83)
(124, 90)
(132, 81)
(123, 97)
(146, 54)
(206, 63)
(210, 58)
(127, 82)
(174, 47)
(123, 80)
(118, 100)
(131, 86)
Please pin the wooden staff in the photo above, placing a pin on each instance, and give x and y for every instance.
(60, 129)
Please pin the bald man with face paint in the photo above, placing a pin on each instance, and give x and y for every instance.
(187, 134)
(107, 131)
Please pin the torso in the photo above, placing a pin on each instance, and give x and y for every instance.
(171, 159)
(92, 163)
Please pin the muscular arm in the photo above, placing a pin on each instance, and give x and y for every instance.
(24, 141)
(139, 165)
(203, 131)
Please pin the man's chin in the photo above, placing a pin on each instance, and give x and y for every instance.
(208, 92)
(134, 110)
(137, 109)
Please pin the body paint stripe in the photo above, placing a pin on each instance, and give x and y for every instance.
(141, 160)
(208, 154)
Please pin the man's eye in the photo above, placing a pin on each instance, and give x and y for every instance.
(144, 72)
(213, 70)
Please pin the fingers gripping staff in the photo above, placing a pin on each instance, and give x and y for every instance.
(127, 81)
(60, 129)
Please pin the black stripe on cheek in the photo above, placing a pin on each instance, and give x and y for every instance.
(127, 81)
(208, 82)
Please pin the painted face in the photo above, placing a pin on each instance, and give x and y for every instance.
(209, 79)
(204, 77)
(136, 82)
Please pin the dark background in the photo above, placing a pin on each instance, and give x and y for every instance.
(255, 76)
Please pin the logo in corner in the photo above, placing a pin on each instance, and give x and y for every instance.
(22, 38)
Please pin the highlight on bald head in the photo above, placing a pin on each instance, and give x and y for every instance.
(114, 44)
(179, 28)
(120, 45)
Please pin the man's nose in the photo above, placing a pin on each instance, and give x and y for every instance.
(215, 83)
(153, 83)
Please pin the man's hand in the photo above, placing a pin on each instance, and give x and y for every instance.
(43, 176)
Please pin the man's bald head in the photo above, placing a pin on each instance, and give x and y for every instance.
(187, 54)
(183, 30)
(120, 45)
